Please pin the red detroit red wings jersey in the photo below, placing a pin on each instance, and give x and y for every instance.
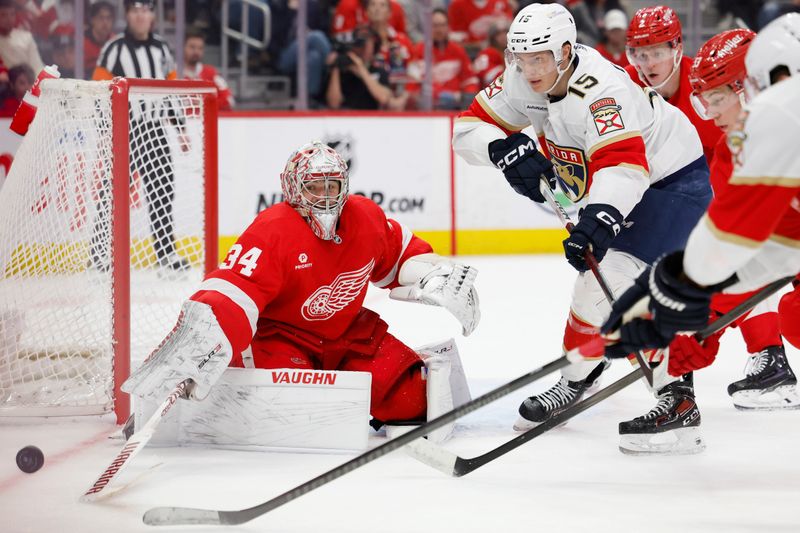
(280, 271)
(709, 133)
(470, 19)
(721, 166)
(209, 73)
(488, 65)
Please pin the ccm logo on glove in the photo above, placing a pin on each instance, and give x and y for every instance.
(518, 151)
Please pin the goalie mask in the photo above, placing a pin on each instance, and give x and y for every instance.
(315, 182)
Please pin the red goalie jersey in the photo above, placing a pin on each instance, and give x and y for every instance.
(280, 272)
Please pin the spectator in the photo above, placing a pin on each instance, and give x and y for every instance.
(356, 80)
(490, 62)
(598, 9)
(46, 19)
(194, 69)
(615, 25)
(101, 26)
(21, 78)
(454, 83)
(3, 78)
(774, 9)
(16, 44)
(394, 47)
(730, 10)
(415, 16)
(351, 14)
(470, 19)
(283, 47)
(63, 54)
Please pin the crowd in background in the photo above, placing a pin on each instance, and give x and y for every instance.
(361, 54)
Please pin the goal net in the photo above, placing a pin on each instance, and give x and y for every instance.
(107, 223)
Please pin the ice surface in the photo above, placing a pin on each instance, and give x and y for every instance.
(570, 479)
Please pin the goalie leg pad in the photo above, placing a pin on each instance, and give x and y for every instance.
(274, 410)
(447, 386)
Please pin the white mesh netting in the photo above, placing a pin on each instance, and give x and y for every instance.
(57, 350)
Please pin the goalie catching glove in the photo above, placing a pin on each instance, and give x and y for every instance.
(196, 348)
(435, 280)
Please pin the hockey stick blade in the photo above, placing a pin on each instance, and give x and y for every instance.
(453, 465)
(102, 488)
(594, 266)
(162, 516)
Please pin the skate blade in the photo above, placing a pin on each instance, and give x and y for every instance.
(779, 399)
(683, 441)
(523, 424)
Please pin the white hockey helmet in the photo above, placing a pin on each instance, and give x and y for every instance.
(541, 27)
(315, 162)
(776, 45)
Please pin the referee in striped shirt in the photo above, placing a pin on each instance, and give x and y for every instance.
(138, 53)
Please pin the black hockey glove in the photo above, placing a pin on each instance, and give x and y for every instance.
(676, 304)
(597, 227)
(522, 165)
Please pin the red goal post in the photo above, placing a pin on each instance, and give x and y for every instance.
(108, 221)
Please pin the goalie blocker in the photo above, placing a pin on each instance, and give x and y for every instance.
(298, 409)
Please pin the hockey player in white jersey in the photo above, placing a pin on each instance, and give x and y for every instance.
(750, 235)
(633, 163)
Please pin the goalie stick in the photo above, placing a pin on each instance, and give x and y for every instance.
(168, 516)
(103, 487)
(593, 265)
(163, 516)
(451, 464)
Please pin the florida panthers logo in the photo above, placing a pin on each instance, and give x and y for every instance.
(329, 299)
(570, 167)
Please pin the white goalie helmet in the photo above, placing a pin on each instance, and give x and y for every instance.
(541, 28)
(776, 45)
(315, 182)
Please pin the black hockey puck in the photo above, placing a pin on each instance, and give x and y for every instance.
(30, 459)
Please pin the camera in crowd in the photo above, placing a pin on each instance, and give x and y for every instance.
(356, 44)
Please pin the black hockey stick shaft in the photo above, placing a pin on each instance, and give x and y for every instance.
(731, 316)
(594, 266)
(180, 515)
(462, 466)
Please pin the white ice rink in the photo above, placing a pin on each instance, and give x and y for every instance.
(570, 479)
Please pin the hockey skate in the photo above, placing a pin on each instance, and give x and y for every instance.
(541, 407)
(672, 427)
(769, 383)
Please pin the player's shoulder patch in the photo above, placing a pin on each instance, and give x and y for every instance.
(494, 88)
(607, 116)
